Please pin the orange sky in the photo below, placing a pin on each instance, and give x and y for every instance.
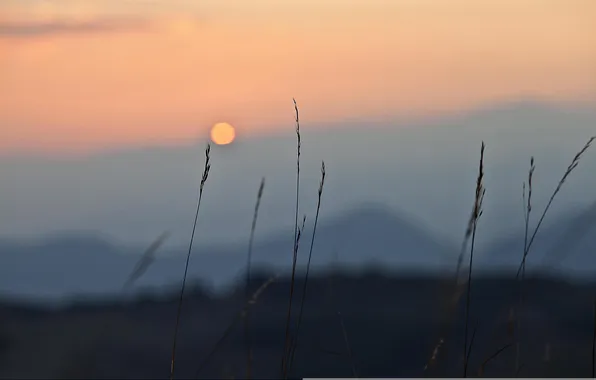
(78, 75)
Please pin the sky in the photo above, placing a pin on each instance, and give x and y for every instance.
(80, 76)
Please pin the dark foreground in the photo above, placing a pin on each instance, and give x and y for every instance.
(369, 325)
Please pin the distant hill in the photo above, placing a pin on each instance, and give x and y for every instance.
(368, 235)
(564, 246)
(84, 264)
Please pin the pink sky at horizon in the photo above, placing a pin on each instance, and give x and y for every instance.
(81, 75)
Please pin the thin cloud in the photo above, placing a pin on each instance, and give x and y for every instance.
(65, 27)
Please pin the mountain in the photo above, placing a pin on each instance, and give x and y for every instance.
(68, 265)
(369, 235)
(565, 245)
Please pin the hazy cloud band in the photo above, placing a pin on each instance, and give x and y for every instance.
(37, 29)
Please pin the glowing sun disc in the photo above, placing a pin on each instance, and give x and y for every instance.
(223, 134)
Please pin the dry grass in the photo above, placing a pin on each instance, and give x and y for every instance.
(192, 237)
(312, 242)
(147, 258)
(241, 315)
(248, 265)
(476, 214)
(285, 356)
(491, 358)
(528, 241)
(574, 163)
(460, 282)
(527, 212)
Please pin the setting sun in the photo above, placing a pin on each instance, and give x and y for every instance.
(223, 134)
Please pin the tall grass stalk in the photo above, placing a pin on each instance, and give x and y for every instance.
(528, 243)
(457, 286)
(147, 258)
(472, 341)
(295, 252)
(528, 211)
(574, 163)
(312, 242)
(491, 358)
(247, 288)
(290, 339)
(476, 214)
(240, 315)
(192, 237)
